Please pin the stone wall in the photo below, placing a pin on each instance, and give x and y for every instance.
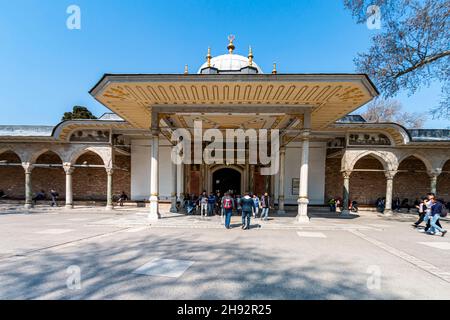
(443, 182)
(334, 182)
(365, 187)
(12, 178)
(415, 183)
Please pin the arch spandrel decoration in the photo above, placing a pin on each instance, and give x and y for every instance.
(418, 155)
(37, 154)
(387, 158)
(105, 153)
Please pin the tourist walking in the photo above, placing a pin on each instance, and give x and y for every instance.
(256, 205)
(203, 202)
(238, 204)
(227, 207)
(436, 211)
(211, 204)
(54, 196)
(218, 206)
(421, 209)
(265, 205)
(247, 206)
(428, 207)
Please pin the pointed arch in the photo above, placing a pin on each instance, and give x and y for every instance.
(381, 157)
(418, 156)
(36, 155)
(6, 150)
(101, 153)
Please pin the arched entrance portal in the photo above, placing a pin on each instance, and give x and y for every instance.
(227, 179)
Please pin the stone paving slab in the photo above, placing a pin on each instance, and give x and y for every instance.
(279, 263)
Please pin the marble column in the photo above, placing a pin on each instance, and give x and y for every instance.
(389, 190)
(281, 182)
(68, 169)
(346, 193)
(109, 189)
(28, 167)
(433, 180)
(154, 178)
(173, 205)
(247, 177)
(251, 177)
(303, 200)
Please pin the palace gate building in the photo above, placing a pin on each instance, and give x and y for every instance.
(324, 151)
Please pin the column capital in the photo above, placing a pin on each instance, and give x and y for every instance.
(433, 174)
(28, 167)
(109, 170)
(283, 150)
(346, 173)
(155, 132)
(68, 169)
(390, 174)
(304, 135)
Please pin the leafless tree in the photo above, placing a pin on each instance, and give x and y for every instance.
(411, 50)
(381, 110)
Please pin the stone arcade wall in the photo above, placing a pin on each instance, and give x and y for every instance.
(411, 181)
(12, 179)
(88, 183)
(365, 187)
(443, 182)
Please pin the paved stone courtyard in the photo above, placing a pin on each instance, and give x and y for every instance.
(121, 255)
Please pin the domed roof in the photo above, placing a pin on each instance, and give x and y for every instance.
(230, 62)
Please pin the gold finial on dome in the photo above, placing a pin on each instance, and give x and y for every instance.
(274, 70)
(186, 70)
(208, 57)
(231, 46)
(250, 56)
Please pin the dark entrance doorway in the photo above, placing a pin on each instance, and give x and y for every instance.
(227, 179)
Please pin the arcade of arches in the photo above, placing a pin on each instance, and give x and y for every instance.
(367, 176)
(88, 175)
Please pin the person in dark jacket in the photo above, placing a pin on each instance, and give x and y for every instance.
(39, 196)
(247, 205)
(122, 198)
(436, 210)
(54, 195)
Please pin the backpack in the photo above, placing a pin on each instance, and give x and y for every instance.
(444, 212)
(227, 203)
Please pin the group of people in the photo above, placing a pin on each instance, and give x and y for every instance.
(41, 196)
(336, 202)
(430, 211)
(249, 205)
(54, 195)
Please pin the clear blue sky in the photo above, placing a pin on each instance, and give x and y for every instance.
(47, 68)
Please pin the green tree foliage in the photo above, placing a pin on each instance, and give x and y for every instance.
(78, 112)
(412, 48)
